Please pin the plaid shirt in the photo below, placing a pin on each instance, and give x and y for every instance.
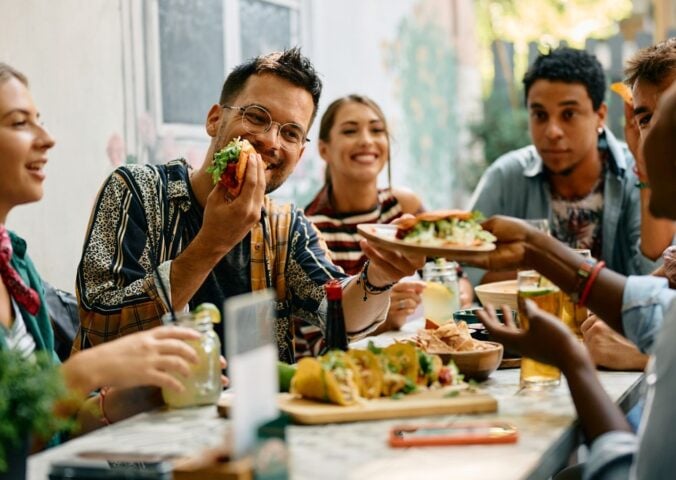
(146, 215)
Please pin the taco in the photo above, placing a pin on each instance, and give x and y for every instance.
(400, 369)
(330, 378)
(445, 228)
(370, 372)
(623, 90)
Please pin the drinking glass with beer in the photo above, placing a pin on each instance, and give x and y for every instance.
(548, 297)
(573, 315)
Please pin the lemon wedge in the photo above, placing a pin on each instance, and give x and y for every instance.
(439, 302)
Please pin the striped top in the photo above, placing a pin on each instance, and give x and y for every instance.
(340, 229)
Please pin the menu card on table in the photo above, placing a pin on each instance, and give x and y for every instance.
(252, 366)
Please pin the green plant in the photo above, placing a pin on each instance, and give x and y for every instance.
(503, 128)
(29, 389)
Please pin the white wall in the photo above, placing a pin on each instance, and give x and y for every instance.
(85, 64)
(71, 52)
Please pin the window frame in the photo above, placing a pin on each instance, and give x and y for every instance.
(232, 52)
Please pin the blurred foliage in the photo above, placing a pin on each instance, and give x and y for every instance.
(29, 389)
(425, 65)
(546, 22)
(504, 128)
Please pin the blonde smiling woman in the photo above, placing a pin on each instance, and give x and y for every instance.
(150, 358)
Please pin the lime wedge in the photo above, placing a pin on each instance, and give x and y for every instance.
(211, 310)
(286, 373)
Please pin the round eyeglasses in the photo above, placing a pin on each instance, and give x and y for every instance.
(257, 120)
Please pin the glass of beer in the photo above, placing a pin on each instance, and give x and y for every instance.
(573, 314)
(547, 296)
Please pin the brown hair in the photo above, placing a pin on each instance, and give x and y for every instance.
(7, 72)
(652, 64)
(290, 65)
(329, 119)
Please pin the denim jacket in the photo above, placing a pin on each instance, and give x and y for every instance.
(515, 185)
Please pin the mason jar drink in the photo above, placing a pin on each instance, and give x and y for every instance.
(573, 314)
(547, 296)
(441, 296)
(203, 386)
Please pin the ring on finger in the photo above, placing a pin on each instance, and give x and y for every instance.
(401, 305)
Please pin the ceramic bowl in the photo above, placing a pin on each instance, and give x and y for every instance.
(477, 329)
(476, 364)
(498, 293)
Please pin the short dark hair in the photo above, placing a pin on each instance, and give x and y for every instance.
(7, 72)
(569, 65)
(652, 64)
(289, 64)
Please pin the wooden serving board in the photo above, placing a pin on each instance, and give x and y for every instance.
(429, 402)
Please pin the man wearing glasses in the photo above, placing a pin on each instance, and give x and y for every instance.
(158, 229)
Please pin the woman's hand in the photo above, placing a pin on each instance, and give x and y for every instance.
(404, 299)
(151, 357)
(547, 339)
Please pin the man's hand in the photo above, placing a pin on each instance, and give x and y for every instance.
(225, 222)
(512, 235)
(608, 348)
(547, 339)
(387, 266)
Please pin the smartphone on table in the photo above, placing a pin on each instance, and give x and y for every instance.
(112, 466)
(461, 433)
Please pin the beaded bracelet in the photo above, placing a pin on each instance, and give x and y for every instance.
(367, 286)
(642, 181)
(102, 396)
(592, 278)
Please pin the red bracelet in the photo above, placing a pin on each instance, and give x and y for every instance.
(102, 396)
(590, 281)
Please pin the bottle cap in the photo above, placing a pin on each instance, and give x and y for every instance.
(334, 290)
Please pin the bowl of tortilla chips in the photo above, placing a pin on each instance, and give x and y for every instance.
(475, 359)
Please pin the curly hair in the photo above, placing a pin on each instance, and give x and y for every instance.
(569, 65)
(653, 64)
(289, 64)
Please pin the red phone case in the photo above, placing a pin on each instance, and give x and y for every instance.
(466, 433)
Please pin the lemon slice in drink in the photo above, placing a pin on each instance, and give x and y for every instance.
(211, 310)
(438, 302)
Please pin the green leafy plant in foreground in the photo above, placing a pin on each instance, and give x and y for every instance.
(29, 389)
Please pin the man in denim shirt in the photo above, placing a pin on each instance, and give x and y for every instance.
(642, 308)
(576, 174)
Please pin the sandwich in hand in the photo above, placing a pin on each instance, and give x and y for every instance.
(445, 228)
(229, 165)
